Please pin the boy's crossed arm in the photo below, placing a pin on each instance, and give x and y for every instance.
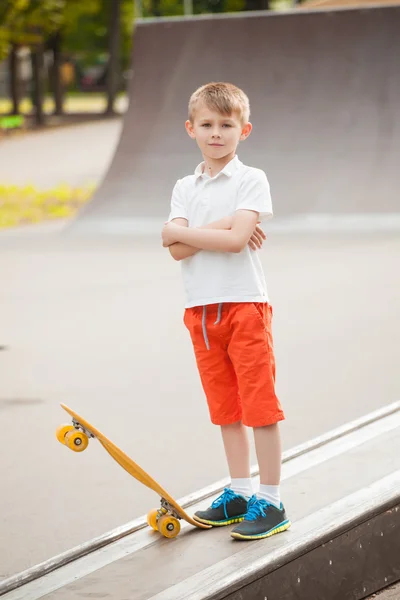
(179, 250)
(230, 234)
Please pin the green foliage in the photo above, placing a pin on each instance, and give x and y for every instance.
(84, 24)
(11, 122)
(218, 6)
(86, 28)
(171, 8)
(28, 21)
(176, 7)
(234, 5)
(127, 21)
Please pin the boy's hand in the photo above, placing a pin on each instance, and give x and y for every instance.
(167, 234)
(256, 240)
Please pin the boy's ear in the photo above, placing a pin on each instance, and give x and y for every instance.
(190, 130)
(246, 130)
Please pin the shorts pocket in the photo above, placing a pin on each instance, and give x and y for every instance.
(258, 309)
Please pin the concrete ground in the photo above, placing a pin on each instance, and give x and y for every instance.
(78, 155)
(97, 324)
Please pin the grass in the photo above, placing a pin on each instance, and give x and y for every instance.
(74, 103)
(29, 205)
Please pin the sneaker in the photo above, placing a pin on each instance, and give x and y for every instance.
(228, 508)
(261, 520)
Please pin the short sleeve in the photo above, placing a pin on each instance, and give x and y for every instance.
(178, 205)
(254, 193)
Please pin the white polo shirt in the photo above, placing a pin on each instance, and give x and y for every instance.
(215, 277)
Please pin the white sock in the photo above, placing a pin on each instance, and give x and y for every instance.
(244, 487)
(270, 493)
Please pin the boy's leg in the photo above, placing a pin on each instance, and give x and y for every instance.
(269, 455)
(237, 452)
(221, 389)
(231, 506)
(252, 356)
(251, 352)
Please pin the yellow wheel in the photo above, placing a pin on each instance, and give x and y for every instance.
(61, 431)
(76, 440)
(168, 526)
(152, 519)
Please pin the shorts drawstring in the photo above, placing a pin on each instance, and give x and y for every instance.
(219, 314)
(204, 322)
(205, 327)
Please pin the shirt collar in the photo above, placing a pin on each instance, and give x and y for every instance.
(228, 170)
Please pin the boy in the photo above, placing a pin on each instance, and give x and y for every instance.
(213, 228)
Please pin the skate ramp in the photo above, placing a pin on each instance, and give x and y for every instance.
(344, 541)
(324, 88)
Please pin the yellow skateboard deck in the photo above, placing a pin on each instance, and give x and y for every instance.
(166, 518)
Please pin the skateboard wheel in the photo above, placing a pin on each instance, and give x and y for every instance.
(76, 440)
(168, 526)
(61, 432)
(152, 519)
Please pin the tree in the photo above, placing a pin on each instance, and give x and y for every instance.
(74, 26)
(14, 88)
(113, 45)
(28, 23)
(54, 45)
(87, 28)
(38, 82)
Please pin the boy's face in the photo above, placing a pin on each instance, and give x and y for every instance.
(217, 135)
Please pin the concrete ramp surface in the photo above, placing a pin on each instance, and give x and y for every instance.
(344, 542)
(324, 89)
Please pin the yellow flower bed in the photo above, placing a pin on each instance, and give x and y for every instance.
(27, 205)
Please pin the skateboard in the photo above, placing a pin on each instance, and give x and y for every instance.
(164, 519)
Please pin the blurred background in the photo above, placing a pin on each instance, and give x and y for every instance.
(93, 99)
(59, 57)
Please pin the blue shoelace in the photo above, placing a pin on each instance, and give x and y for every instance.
(256, 508)
(226, 496)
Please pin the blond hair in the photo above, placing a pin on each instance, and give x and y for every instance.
(224, 98)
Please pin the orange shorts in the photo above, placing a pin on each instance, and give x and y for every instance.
(235, 358)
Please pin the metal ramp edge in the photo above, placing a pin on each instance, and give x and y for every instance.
(349, 549)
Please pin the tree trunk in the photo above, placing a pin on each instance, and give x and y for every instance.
(38, 83)
(156, 8)
(14, 84)
(113, 61)
(58, 91)
(257, 5)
